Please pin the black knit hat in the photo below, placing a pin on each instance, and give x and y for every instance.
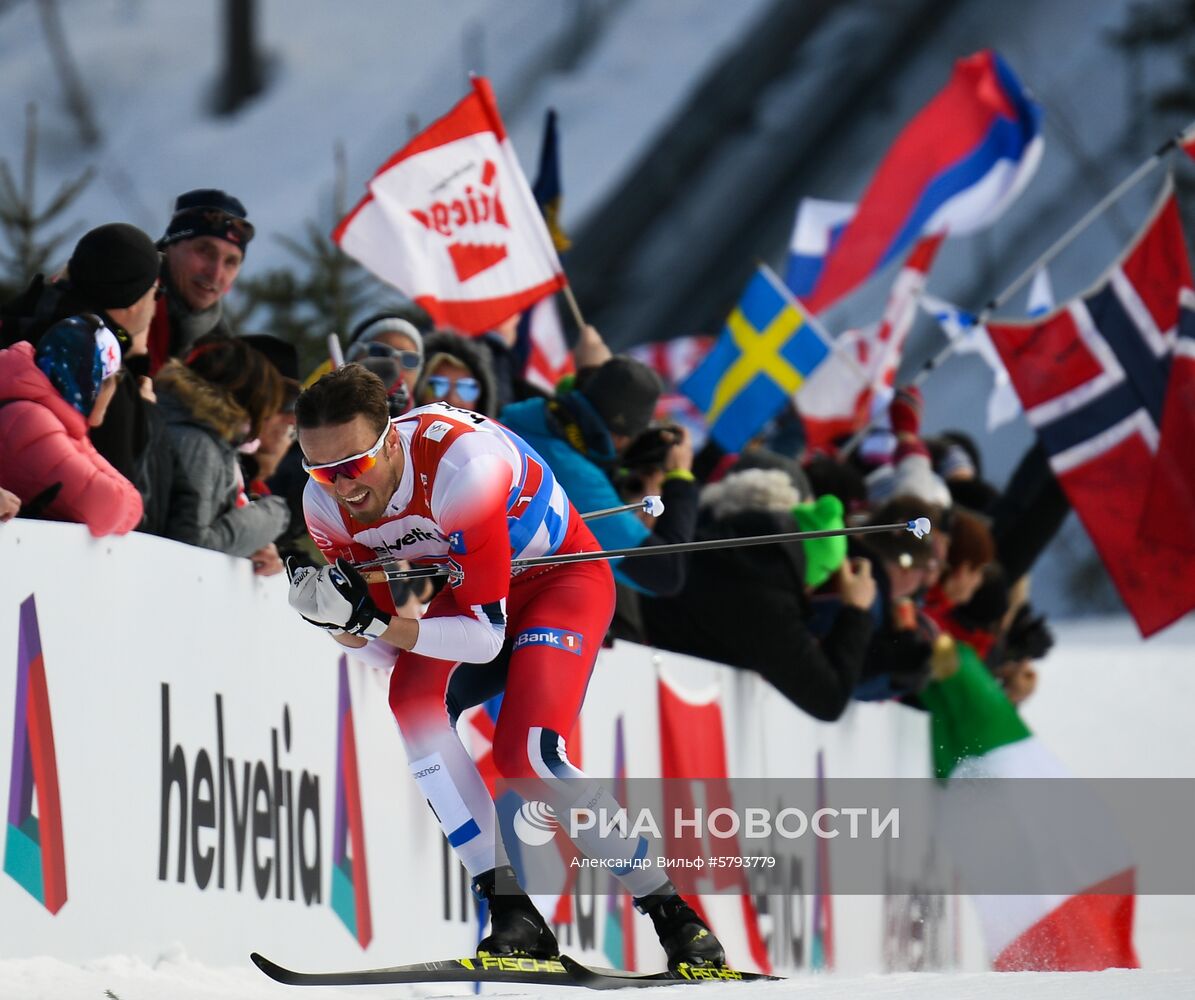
(624, 392)
(208, 212)
(114, 265)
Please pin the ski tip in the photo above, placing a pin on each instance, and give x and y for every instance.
(264, 964)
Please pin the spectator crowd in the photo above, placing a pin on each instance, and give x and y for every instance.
(128, 402)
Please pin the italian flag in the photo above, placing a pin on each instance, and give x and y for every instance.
(977, 733)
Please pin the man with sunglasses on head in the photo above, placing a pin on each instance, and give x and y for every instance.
(204, 245)
(450, 487)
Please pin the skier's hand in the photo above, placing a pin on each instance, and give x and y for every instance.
(337, 598)
(305, 593)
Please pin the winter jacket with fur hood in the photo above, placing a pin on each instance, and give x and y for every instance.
(202, 422)
(43, 442)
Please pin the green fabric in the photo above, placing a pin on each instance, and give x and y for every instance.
(969, 714)
(823, 556)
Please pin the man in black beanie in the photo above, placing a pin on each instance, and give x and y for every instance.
(113, 272)
(205, 244)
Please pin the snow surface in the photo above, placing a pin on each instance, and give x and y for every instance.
(178, 978)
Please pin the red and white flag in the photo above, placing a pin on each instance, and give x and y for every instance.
(549, 358)
(450, 222)
(857, 378)
(693, 766)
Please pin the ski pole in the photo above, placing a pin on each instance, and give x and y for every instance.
(918, 526)
(653, 505)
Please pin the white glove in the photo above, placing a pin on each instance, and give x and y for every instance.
(336, 599)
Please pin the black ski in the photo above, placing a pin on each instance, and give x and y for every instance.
(612, 979)
(543, 972)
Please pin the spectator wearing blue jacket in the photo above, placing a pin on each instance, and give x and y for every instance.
(582, 435)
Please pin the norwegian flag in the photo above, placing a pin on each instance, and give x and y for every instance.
(450, 221)
(841, 394)
(1107, 382)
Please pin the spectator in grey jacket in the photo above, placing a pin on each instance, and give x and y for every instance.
(215, 404)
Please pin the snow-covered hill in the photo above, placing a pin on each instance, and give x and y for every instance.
(360, 74)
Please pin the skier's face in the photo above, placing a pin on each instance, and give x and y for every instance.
(366, 494)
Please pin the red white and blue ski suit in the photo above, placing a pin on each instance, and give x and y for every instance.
(472, 496)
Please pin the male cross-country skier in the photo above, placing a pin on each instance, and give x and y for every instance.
(448, 486)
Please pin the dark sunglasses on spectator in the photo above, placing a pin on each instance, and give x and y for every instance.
(377, 349)
(468, 389)
(350, 468)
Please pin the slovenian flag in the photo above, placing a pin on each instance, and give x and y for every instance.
(954, 169)
(976, 733)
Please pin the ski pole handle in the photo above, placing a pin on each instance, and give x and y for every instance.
(652, 505)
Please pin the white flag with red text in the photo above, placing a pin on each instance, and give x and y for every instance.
(450, 221)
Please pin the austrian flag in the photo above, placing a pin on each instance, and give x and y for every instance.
(450, 222)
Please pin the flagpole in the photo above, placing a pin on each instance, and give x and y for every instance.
(1142, 170)
(830, 342)
(575, 309)
(784, 290)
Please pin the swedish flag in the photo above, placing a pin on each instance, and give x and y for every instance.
(767, 350)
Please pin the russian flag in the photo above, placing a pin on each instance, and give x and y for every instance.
(954, 169)
(818, 228)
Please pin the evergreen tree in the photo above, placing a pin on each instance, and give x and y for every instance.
(1167, 103)
(27, 249)
(325, 292)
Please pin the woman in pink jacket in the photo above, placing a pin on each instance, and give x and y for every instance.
(49, 396)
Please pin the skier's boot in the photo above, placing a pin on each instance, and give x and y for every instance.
(683, 935)
(516, 927)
